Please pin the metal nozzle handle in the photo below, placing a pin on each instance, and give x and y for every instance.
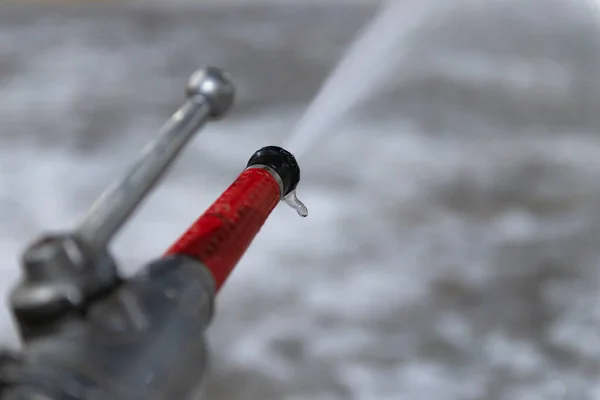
(209, 96)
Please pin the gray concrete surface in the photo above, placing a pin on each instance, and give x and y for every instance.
(457, 260)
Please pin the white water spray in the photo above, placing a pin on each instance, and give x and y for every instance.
(361, 69)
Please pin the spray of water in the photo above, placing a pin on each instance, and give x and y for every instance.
(357, 75)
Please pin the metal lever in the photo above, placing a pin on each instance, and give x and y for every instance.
(209, 96)
(64, 272)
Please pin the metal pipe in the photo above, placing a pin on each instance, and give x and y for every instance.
(209, 96)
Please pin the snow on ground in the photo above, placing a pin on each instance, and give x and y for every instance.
(451, 248)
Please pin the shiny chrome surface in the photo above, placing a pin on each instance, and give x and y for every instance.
(209, 95)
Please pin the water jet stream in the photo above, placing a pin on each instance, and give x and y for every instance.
(364, 64)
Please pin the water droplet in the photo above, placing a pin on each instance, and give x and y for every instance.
(291, 200)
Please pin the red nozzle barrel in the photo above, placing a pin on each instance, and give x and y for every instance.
(220, 237)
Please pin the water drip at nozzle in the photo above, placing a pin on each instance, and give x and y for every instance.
(293, 201)
(284, 166)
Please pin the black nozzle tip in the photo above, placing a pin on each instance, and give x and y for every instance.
(282, 162)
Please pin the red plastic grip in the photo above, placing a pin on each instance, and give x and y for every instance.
(220, 237)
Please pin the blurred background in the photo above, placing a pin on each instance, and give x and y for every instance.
(453, 242)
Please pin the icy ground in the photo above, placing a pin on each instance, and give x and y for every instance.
(453, 245)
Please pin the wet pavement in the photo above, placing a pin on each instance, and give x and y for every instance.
(451, 251)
